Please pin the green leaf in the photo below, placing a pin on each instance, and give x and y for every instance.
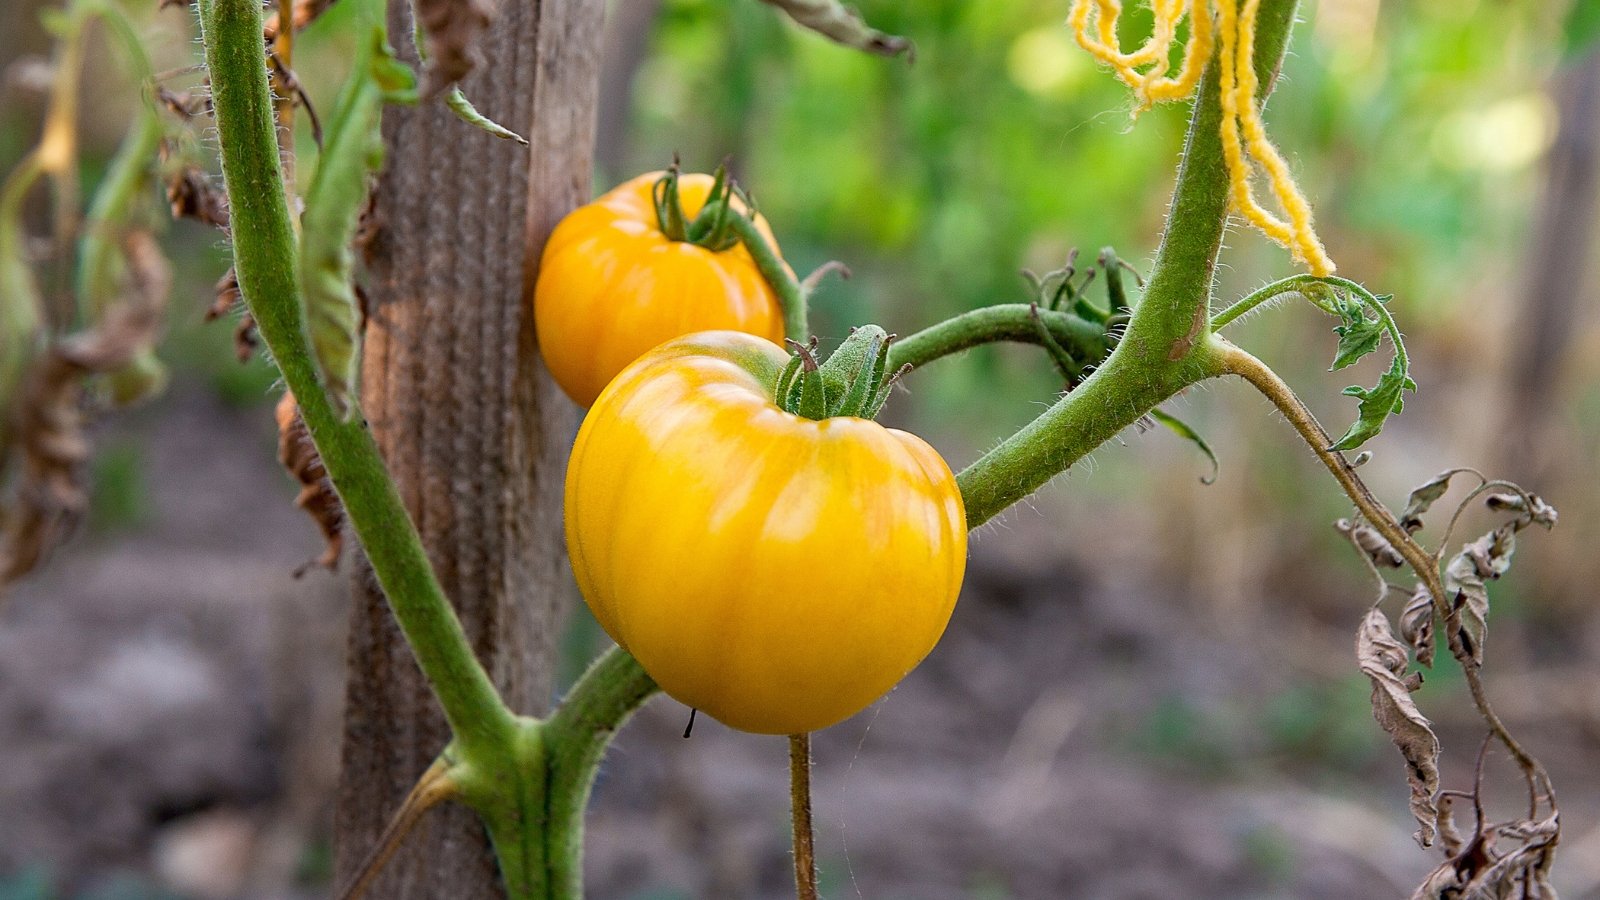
(1377, 404)
(466, 112)
(1359, 335)
(1184, 430)
(351, 152)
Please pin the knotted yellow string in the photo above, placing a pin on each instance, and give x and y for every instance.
(1230, 27)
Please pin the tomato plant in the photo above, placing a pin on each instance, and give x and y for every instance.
(758, 546)
(776, 571)
(652, 259)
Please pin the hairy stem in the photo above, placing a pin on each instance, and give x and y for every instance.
(805, 854)
(1164, 349)
(265, 261)
(1006, 322)
(796, 324)
(576, 737)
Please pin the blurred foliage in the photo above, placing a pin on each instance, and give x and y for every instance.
(118, 500)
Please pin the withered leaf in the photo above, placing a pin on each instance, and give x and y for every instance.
(1486, 558)
(192, 196)
(50, 423)
(1534, 507)
(1444, 821)
(451, 29)
(1369, 541)
(840, 23)
(1423, 497)
(1522, 873)
(299, 458)
(1383, 660)
(1416, 624)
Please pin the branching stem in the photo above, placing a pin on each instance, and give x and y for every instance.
(1423, 564)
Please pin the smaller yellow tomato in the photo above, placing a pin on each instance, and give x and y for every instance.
(612, 285)
(776, 572)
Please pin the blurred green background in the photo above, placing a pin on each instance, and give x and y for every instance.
(1201, 635)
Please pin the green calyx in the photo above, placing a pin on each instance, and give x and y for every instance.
(713, 228)
(855, 381)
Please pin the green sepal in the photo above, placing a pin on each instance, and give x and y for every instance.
(860, 385)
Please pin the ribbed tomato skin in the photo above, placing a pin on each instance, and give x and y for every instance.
(611, 286)
(777, 573)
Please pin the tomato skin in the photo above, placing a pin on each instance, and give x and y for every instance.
(612, 285)
(775, 572)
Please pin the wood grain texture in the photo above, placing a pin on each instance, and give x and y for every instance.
(474, 431)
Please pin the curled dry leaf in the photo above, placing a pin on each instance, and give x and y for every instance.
(1483, 870)
(1369, 541)
(1416, 625)
(451, 29)
(298, 455)
(837, 22)
(1486, 558)
(51, 496)
(1423, 497)
(227, 299)
(1531, 506)
(1383, 660)
(192, 196)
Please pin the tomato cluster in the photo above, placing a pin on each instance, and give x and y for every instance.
(735, 518)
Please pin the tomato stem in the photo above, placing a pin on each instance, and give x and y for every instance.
(1167, 346)
(805, 856)
(265, 260)
(777, 274)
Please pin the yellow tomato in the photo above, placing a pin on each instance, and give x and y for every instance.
(612, 285)
(775, 572)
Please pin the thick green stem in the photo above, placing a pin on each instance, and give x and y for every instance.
(264, 258)
(791, 295)
(1164, 349)
(1006, 322)
(576, 737)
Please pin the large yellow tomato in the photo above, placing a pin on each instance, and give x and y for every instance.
(775, 572)
(612, 285)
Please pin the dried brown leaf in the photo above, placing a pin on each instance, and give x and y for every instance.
(1523, 873)
(1423, 497)
(451, 29)
(1416, 625)
(840, 23)
(1383, 660)
(1531, 505)
(1486, 558)
(1444, 820)
(1369, 541)
(51, 496)
(193, 196)
(299, 457)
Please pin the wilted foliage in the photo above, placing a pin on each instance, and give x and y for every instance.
(299, 458)
(1496, 861)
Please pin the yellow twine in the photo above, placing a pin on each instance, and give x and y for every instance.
(1228, 26)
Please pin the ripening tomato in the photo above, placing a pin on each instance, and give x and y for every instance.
(612, 284)
(775, 572)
